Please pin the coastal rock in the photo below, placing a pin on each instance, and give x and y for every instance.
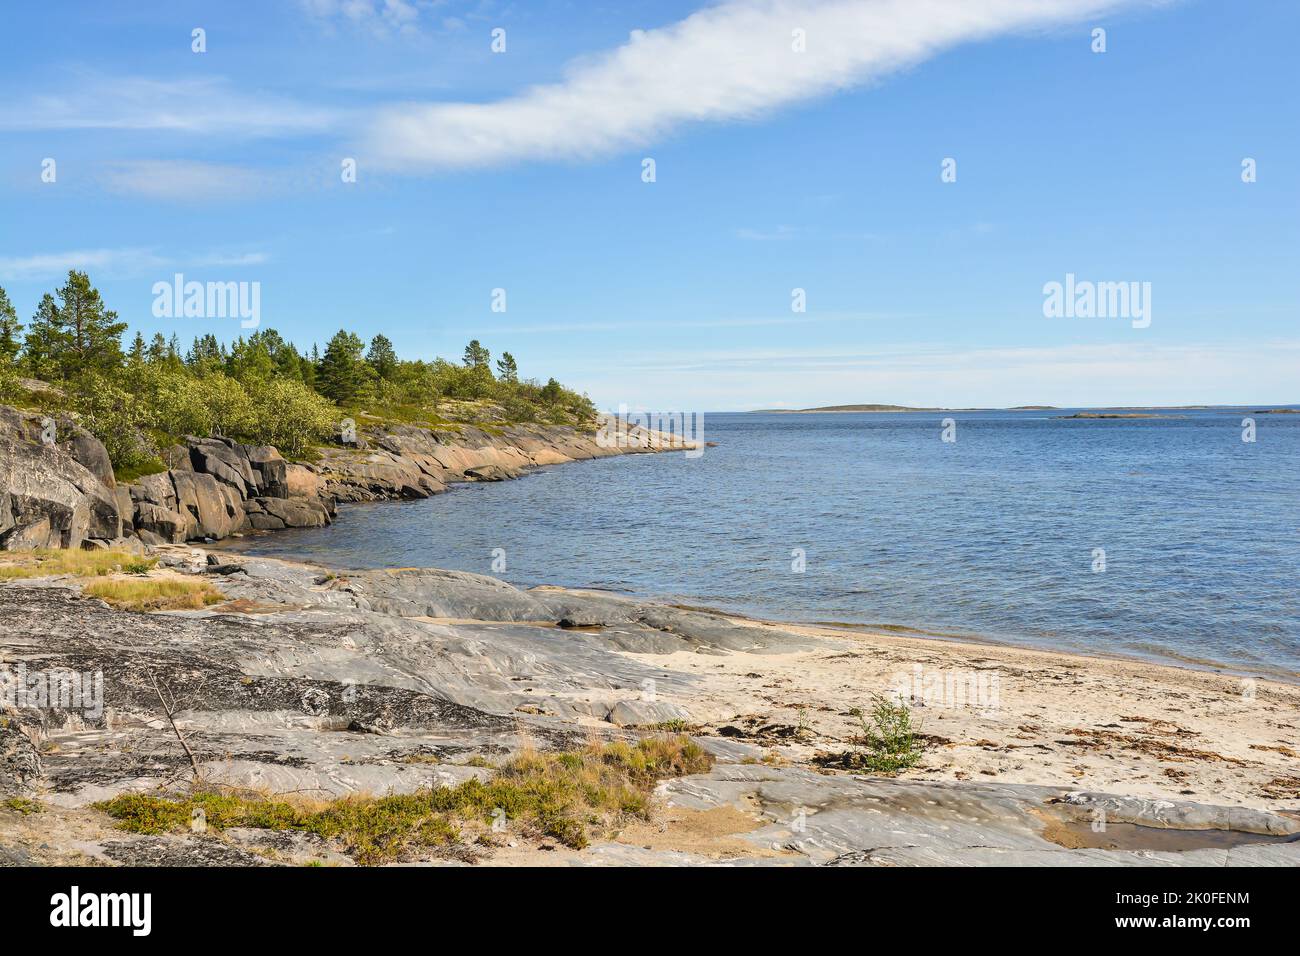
(488, 473)
(157, 489)
(125, 508)
(224, 460)
(160, 524)
(272, 514)
(89, 451)
(48, 499)
(646, 713)
(283, 479)
(215, 514)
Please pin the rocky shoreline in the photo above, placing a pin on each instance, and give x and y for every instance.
(327, 685)
(320, 684)
(61, 493)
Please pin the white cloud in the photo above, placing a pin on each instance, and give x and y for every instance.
(120, 263)
(108, 262)
(209, 106)
(725, 62)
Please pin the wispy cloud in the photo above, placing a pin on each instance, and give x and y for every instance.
(119, 263)
(1069, 375)
(207, 106)
(821, 319)
(184, 180)
(380, 16)
(735, 60)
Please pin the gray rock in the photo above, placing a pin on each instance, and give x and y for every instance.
(163, 524)
(645, 713)
(47, 497)
(204, 498)
(225, 461)
(90, 452)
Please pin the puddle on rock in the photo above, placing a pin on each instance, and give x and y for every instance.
(1133, 836)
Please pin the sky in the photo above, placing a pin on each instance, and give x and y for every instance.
(796, 145)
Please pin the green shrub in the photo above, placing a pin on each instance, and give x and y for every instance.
(290, 416)
(892, 743)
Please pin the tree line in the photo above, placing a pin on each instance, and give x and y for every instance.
(262, 388)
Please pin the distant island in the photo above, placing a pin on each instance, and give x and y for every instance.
(1110, 411)
(867, 408)
(1116, 415)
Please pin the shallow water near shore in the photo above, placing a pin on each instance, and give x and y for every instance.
(994, 535)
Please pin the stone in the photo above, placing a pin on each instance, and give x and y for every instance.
(205, 500)
(644, 713)
(89, 451)
(167, 526)
(47, 497)
(225, 461)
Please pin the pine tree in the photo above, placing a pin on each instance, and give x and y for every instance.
(157, 349)
(476, 356)
(44, 341)
(381, 357)
(343, 375)
(9, 329)
(139, 351)
(90, 333)
(507, 370)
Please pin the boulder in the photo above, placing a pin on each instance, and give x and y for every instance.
(225, 460)
(159, 525)
(270, 514)
(203, 496)
(89, 451)
(643, 713)
(48, 499)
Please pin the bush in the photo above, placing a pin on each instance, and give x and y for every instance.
(175, 401)
(115, 417)
(290, 416)
(892, 743)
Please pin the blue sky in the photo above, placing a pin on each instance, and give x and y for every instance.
(775, 170)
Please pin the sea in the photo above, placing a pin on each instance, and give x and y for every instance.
(1168, 538)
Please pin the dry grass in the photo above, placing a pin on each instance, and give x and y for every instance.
(567, 796)
(83, 564)
(154, 594)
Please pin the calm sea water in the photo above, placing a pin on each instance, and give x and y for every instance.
(991, 536)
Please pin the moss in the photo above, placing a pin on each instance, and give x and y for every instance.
(22, 805)
(155, 594)
(562, 796)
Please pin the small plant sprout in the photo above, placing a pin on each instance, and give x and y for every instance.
(891, 742)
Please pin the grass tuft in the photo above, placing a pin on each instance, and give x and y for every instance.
(22, 805)
(565, 796)
(46, 563)
(155, 594)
